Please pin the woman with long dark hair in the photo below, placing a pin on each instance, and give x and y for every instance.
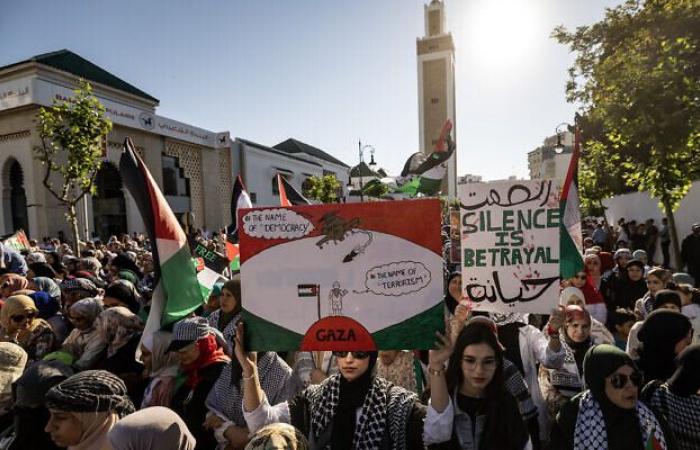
(470, 407)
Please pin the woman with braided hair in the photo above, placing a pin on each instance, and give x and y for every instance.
(353, 409)
(84, 408)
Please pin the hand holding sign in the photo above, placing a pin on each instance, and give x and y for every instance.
(248, 361)
(437, 358)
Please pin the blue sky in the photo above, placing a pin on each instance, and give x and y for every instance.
(325, 72)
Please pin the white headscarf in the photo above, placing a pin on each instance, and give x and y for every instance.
(569, 292)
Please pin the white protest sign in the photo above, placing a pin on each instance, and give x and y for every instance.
(510, 245)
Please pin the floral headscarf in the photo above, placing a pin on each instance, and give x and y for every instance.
(117, 326)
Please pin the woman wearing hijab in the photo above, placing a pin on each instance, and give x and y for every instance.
(575, 296)
(350, 410)
(12, 361)
(678, 399)
(121, 330)
(609, 416)
(663, 335)
(47, 285)
(631, 288)
(122, 293)
(85, 342)
(10, 283)
(228, 315)
(593, 299)
(21, 325)
(161, 367)
(154, 428)
(202, 359)
(470, 407)
(563, 383)
(50, 310)
(30, 404)
(84, 408)
(40, 270)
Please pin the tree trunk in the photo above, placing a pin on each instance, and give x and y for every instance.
(73, 221)
(675, 246)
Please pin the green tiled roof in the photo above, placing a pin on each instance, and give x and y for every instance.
(363, 170)
(68, 61)
(294, 146)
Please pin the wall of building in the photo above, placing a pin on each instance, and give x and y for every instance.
(640, 206)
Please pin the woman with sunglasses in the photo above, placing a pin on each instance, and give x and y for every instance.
(595, 304)
(353, 409)
(470, 407)
(609, 416)
(21, 325)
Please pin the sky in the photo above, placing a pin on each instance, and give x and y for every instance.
(326, 72)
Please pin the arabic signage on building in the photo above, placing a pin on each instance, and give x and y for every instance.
(33, 90)
(510, 245)
(342, 277)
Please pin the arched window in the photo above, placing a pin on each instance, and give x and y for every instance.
(18, 198)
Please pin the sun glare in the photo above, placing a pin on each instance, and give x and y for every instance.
(500, 32)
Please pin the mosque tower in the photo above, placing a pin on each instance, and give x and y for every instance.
(436, 86)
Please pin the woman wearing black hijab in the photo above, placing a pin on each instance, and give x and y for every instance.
(678, 399)
(228, 315)
(609, 416)
(663, 335)
(327, 413)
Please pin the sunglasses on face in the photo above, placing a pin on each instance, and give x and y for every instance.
(355, 355)
(619, 380)
(19, 318)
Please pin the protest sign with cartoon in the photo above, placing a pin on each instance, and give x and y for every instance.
(510, 245)
(342, 276)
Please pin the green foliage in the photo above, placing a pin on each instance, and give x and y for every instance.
(73, 134)
(635, 77)
(375, 188)
(324, 189)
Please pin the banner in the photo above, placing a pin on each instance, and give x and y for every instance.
(17, 241)
(210, 267)
(510, 245)
(361, 276)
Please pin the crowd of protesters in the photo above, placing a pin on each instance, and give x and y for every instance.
(615, 366)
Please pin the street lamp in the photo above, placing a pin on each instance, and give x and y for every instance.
(359, 168)
(559, 148)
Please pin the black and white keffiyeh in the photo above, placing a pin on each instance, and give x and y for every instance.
(227, 397)
(591, 433)
(682, 415)
(385, 406)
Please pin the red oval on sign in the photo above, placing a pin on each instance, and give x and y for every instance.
(337, 333)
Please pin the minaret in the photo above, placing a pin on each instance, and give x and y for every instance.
(436, 86)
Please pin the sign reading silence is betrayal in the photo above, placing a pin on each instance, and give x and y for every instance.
(361, 276)
(510, 245)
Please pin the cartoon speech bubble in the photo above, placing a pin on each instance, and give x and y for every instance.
(278, 223)
(396, 278)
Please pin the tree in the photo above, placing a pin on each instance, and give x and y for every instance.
(636, 74)
(324, 188)
(72, 134)
(375, 188)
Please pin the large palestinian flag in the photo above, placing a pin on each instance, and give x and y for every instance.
(357, 276)
(177, 292)
(570, 241)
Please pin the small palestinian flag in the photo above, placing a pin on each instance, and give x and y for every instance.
(233, 253)
(433, 169)
(307, 290)
(570, 241)
(177, 292)
(291, 195)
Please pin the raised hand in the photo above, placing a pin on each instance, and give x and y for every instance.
(438, 357)
(247, 360)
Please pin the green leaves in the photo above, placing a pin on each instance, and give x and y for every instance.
(636, 77)
(324, 189)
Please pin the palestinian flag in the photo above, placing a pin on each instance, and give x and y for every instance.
(292, 196)
(177, 292)
(18, 241)
(429, 172)
(239, 200)
(210, 267)
(570, 241)
(233, 253)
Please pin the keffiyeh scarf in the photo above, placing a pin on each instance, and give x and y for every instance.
(385, 406)
(591, 432)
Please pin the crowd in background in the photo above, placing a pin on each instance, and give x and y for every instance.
(616, 365)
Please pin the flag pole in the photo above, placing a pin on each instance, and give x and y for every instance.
(318, 300)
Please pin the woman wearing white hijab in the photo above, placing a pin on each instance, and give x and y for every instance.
(154, 428)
